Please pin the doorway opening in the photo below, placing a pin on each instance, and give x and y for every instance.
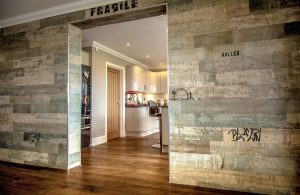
(127, 57)
(116, 82)
(113, 103)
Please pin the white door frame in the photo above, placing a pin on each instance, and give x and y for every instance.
(122, 96)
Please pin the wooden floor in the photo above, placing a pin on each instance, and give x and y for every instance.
(122, 166)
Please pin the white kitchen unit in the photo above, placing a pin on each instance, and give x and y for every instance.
(136, 79)
(153, 124)
(138, 123)
(153, 82)
(157, 82)
(139, 79)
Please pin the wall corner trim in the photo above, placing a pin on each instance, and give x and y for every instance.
(74, 165)
(53, 11)
(99, 140)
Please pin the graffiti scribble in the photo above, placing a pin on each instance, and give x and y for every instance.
(188, 95)
(245, 134)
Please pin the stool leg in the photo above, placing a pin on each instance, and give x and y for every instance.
(160, 134)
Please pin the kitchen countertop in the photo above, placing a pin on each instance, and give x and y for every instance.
(144, 106)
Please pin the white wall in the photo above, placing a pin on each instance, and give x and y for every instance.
(98, 61)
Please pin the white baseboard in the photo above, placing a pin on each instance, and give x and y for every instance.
(149, 132)
(99, 140)
(141, 133)
(135, 133)
(74, 165)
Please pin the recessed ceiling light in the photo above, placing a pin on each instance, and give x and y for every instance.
(167, 30)
(127, 44)
(148, 56)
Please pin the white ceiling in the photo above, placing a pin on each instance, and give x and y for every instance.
(12, 8)
(147, 36)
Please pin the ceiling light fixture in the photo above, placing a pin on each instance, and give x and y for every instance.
(127, 44)
(148, 56)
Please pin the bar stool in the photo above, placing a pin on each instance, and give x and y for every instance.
(154, 111)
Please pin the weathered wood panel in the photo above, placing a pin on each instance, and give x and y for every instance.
(33, 89)
(74, 98)
(239, 64)
(256, 89)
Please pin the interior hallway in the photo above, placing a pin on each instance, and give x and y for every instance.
(121, 166)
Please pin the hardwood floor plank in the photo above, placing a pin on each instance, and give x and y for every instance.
(121, 166)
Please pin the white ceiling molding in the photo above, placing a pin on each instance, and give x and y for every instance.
(54, 11)
(115, 53)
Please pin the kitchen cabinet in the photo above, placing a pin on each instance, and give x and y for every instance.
(153, 82)
(129, 119)
(139, 79)
(139, 123)
(153, 122)
(157, 82)
(136, 79)
(140, 116)
(136, 119)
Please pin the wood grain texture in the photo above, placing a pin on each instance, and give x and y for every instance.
(121, 166)
(257, 89)
(33, 91)
(113, 104)
(74, 97)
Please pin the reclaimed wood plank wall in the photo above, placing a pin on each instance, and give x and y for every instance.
(34, 92)
(39, 89)
(240, 128)
(74, 107)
